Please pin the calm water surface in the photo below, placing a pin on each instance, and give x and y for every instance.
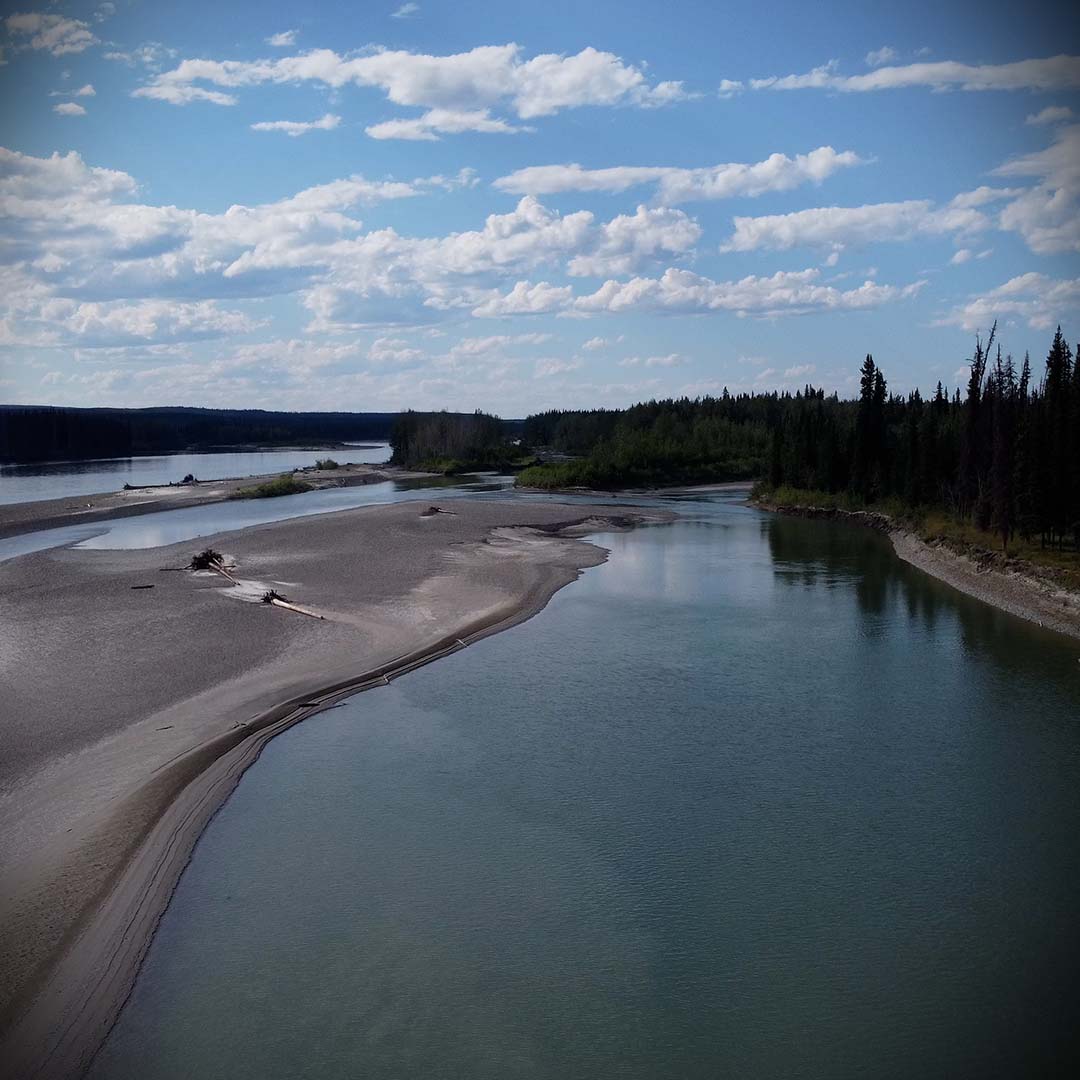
(753, 799)
(65, 479)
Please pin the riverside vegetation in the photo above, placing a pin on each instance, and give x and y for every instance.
(995, 466)
(452, 443)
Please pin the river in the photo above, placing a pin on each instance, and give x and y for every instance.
(752, 799)
(67, 479)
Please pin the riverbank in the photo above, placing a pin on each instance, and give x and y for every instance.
(19, 518)
(157, 689)
(1030, 592)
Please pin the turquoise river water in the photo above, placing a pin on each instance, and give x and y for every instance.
(753, 799)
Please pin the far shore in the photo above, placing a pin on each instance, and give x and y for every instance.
(135, 699)
(1025, 591)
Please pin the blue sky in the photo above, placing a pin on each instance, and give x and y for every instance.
(480, 205)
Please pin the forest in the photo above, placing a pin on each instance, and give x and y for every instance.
(42, 433)
(451, 443)
(1001, 455)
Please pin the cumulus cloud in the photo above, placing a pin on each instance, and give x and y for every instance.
(282, 40)
(526, 299)
(69, 108)
(79, 232)
(62, 322)
(843, 226)
(681, 291)
(56, 34)
(1052, 114)
(625, 241)
(670, 360)
(885, 55)
(457, 91)
(778, 172)
(436, 122)
(1040, 301)
(544, 369)
(295, 128)
(1053, 73)
(1047, 215)
(151, 54)
(406, 11)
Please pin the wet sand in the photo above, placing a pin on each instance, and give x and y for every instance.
(130, 713)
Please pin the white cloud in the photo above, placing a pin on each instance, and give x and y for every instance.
(406, 11)
(961, 257)
(69, 323)
(386, 350)
(841, 226)
(785, 292)
(69, 108)
(544, 369)
(85, 91)
(282, 40)
(627, 240)
(778, 172)
(1040, 301)
(436, 122)
(885, 55)
(800, 371)
(151, 54)
(526, 299)
(458, 89)
(594, 344)
(1053, 73)
(1047, 215)
(55, 34)
(82, 233)
(670, 360)
(298, 127)
(1052, 114)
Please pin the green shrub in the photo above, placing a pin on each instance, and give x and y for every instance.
(285, 484)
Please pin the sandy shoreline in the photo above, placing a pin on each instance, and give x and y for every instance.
(156, 700)
(1026, 595)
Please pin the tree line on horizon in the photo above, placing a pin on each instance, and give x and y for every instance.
(1004, 455)
(55, 433)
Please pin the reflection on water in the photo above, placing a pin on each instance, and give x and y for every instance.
(66, 479)
(752, 799)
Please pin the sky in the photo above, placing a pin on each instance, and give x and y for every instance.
(511, 207)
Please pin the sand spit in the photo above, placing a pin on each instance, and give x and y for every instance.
(134, 711)
(19, 518)
(1020, 590)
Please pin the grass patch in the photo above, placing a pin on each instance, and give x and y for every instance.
(603, 475)
(285, 484)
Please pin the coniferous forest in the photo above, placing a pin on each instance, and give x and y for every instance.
(1001, 454)
(48, 433)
